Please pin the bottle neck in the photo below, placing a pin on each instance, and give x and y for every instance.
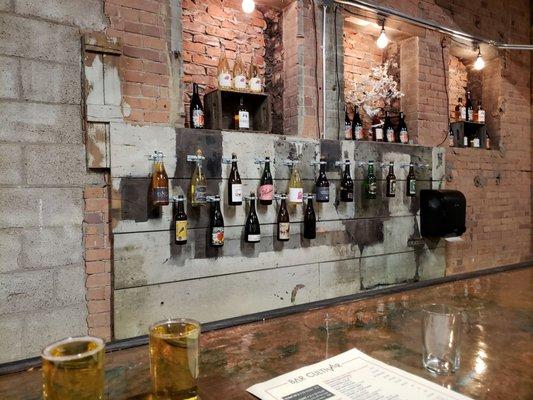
(347, 169)
(283, 204)
(159, 167)
(252, 204)
(391, 169)
(267, 165)
(309, 202)
(370, 169)
(179, 206)
(322, 169)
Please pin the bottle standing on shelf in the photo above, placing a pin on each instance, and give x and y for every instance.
(476, 142)
(198, 188)
(296, 190)
(403, 133)
(347, 125)
(252, 229)
(254, 77)
(180, 221)
(487, 141)
(242, 117)
(322, 184)
(390, 136)
(451, 138)
(357, 126)
(239, 74)
(284, 224)
(159, 183)
(346, 190)
(309, 220)
(411, 181)
(266, 187)
(391, 181)
(469, 107)
(216, 228)
(460, 110)
(224, 73)
(196, 112)
(465, 140)
(234, 184)
(371, 182)
(480, 114)
(377, 129)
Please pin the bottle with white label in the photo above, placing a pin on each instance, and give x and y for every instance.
(224, 73)
(241, 118)
(357, 126)
(252, 228)
(284, 223)
(239, 74)
(254, 77)
(296, 191)
(234, 184)
(377, 129)
(480, 114)
(403, 133)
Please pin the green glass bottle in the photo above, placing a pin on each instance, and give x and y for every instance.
(371, 185)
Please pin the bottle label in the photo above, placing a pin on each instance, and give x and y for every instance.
(347, 131)
(160, 195)
(296, 195)
(372, 188)
(224, 80)
(358, 132)
(254, 238)
(481, 116)
(404, 136)
(462, 112)
(390, 135)
(392, 186)
(181, 231)
(197, 118)
(244, 120)
(217, 235)
(346, 194)
(236, 193)
(476, 142)
(412, 186)
(199, 194)
(322, 194)
(450, 140)
(465, 141)
(284, 230)
(239, 82)
(470, 112)
(266, 192)
(379, 133)
(255, 85)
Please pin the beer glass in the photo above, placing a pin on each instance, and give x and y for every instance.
(441, 337)
(73, 369)
(174, 359)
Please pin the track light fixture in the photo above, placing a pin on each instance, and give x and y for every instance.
(383, 40)
(479, 64)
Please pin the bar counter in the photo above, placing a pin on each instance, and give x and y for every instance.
(497, 345)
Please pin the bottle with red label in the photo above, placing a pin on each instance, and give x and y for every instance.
(266, 187)
(216, 226)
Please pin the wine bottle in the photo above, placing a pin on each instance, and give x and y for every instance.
(266, 187)
(309, 220)
(180, 221)
(357, 126)
(196, 111)
(480, 113)
(371, 185)
(487, 141)
(411, 181)
(377, 129)
(159, 182)
(451, 138)
(391, 181)
(403, 134)
(198, 187)
(242, 116)
(216, 226)
(252, 228)
(469, 107)
(239, 74)
(322, 184)
(253, 76)
(346, 190)
(224, 73)
(347, 125)
(460, 110)
(234, 184)
(390, 136)
(296, 190)
(284, 224)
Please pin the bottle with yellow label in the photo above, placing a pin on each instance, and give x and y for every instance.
(180, 220)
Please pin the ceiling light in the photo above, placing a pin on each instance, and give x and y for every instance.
(383, 40)
(480, 63)
(248, 6)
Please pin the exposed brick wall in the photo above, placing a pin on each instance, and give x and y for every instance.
(457, 82)
(274, 75)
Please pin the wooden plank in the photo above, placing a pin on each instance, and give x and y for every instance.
(97, 145)
(103, 113)
(99, 42)
(112, 88)
(94, 79)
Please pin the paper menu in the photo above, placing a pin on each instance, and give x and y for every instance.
(352, 375)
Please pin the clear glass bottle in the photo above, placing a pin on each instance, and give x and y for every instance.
(198, 186)
(239, 73)
(159, 182)
(225, 78)
(296, 190)
(254, 77)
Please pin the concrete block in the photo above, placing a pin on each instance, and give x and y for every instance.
(339, 278)
(27, 291)
(10, 250)
(388, 269)
(9, 77)
(33, 38)
(11, 347)
(51, 82)
(86, 14)
(70, 285)
(39, 207)
(43, 123)
(11, 169)
(49, 247)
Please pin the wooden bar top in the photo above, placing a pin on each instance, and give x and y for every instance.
(497, 347)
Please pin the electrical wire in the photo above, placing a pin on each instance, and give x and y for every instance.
(447, 131)
(337, 80)
(316, 70)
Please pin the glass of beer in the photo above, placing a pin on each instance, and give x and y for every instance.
(73, 369)
(174, 359)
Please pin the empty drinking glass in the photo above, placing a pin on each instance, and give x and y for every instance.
(441, 338)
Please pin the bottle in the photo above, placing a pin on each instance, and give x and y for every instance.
(451, 138)
(460, 110)
(469, 107)
(180, 221)
(242, 117)
(309, 220)
(487, 141)
(284, 224)
(357, 126)
(465, 140)
(390, 136)
(377, 129)
(239, 74)
(252, 228)
(391, 181)
(216, 226)
(371, 184)
(296, 190)
(476, 142)
(322, 184)
(254, 77)
(411, 181)
(234, 184)
(266, 187)
(159, 182)
(196, 111)
(224, 73)
(480, 114)
(346, 190)
(347, 125)
(198, 188)
(403, 134)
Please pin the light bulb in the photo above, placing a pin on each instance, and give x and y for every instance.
(248, 6)
(383, 40)
(480, 63)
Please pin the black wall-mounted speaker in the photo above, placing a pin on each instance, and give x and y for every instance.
(442, 213)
